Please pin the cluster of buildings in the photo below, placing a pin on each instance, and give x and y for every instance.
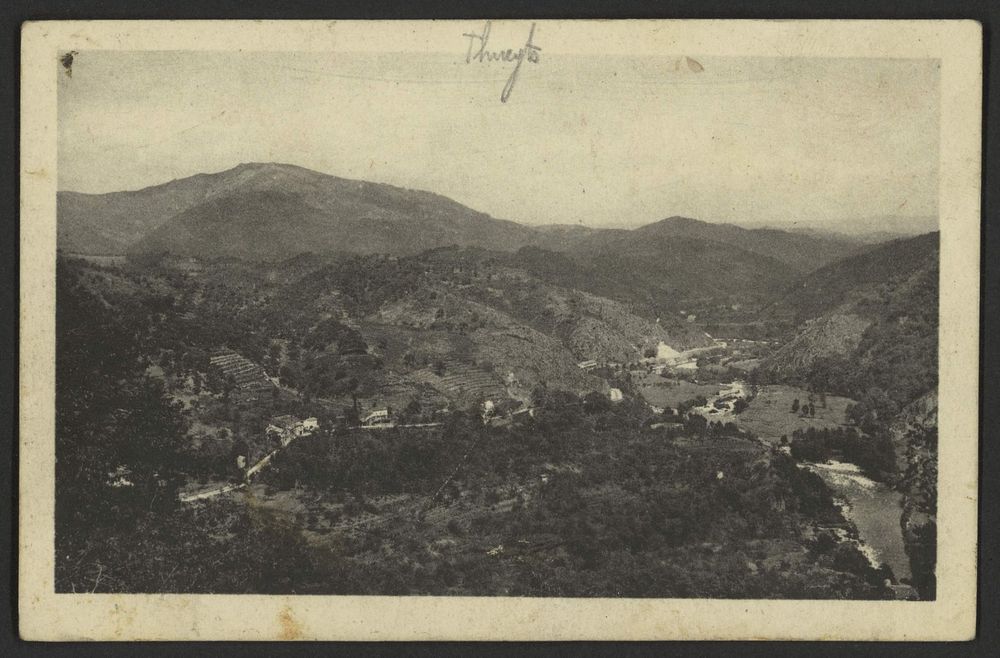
(287, 428)
(592, 364)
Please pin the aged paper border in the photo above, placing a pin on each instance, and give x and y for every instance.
(45, 615)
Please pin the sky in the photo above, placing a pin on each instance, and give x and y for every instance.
(598, 140)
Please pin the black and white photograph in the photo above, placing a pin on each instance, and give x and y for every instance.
(494, 319)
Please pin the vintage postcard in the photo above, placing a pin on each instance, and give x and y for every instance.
(499, 330)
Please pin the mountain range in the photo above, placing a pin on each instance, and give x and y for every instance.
(273, 212)
(266, 211)
(517, 363)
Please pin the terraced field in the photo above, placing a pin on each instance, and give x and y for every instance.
(462, 381)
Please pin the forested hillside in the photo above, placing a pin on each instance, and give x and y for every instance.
(272, 380)
(870, 332)
(581, 498)
(855, 280)
(263, 211)
(870, 323)
(801, 251)
(272, 212)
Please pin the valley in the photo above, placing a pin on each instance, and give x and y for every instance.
(294, 383)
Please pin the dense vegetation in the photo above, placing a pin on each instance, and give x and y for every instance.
(841, 281)
(269, 212)
(563, 491)
(875, 455)
(581, 497)
(558, 507)
(116, 435)
(896, 356)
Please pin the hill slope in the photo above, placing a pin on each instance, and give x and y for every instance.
(800, 251)
(274, 211)
(110, 223)
(484, 296)
(854, 278)
(655, 268)
(871, 322)
(680, 263)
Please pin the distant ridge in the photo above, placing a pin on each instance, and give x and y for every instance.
(273, 212)
(877, 228)
(800, 251)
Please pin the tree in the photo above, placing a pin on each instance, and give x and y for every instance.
(228, 386)
(795, 405)
(596, 403)
(274, 354)
(696, 424)
(874, 412)
(812, 410)
(412, 410)
(351, 416)
(117, 435)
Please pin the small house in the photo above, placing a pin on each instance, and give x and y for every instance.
(284, 427)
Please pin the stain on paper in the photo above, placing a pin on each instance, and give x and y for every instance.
(290, 629)
(67, 62)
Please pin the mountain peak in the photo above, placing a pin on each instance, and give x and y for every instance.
(268, 166)
(796, 249)
(269, 210)
(679, 220)
(680, 225)
(272, 168)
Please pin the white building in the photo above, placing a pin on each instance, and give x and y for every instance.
(290, 427)
(284, 427)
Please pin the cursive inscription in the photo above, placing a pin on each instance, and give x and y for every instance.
(479, 52)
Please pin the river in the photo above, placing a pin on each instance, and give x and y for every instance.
(874, 508)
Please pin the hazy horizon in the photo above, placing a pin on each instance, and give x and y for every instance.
(605, 141)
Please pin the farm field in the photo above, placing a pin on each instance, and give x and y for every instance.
(661, 392)
(770, 416)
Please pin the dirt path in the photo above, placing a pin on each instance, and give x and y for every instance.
(250, 472)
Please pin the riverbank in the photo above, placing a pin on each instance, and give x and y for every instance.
(875, 509)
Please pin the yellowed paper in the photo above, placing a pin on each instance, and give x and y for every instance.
(501, 97)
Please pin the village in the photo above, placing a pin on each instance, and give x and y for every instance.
(699, 397)
(248, 384)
